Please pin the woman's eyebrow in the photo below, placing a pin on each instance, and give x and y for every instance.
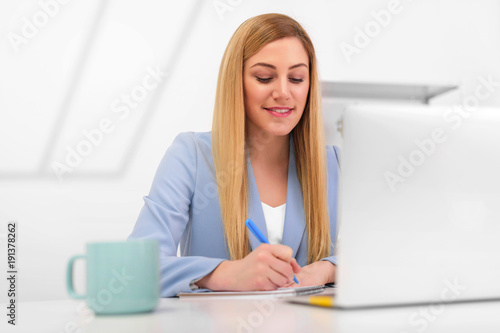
(274, 67)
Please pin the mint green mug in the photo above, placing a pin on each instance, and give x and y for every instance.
(122, 277)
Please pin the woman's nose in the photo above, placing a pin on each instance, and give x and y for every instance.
(281, 89)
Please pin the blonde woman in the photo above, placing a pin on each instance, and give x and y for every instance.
(265, 159)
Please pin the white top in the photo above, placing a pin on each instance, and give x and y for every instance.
(275, 222)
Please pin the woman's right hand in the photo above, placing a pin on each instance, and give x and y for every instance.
(268, 267)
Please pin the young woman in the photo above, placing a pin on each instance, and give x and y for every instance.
(265, 159)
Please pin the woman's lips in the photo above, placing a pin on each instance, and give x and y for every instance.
(280, 111)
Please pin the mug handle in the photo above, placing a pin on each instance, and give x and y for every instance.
(69, 277)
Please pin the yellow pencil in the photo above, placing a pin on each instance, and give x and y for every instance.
(326, 301)
(320, 300)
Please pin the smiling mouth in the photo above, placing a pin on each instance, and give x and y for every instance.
(279, 110)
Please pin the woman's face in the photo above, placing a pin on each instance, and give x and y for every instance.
(276, 85)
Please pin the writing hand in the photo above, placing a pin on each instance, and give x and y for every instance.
(268, 267)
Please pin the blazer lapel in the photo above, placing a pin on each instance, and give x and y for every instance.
(294, 214)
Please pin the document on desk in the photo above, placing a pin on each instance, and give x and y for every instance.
(280, 292)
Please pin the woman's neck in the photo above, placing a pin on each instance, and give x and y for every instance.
(269, 149)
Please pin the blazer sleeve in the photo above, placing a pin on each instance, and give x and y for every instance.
(165, 215)
(333, 162)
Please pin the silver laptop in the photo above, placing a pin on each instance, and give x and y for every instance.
(419, 217)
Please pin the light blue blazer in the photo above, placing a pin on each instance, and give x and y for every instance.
(183, 207)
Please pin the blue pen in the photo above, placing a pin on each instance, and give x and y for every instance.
(260, 236)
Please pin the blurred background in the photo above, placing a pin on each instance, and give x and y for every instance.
(93, 92)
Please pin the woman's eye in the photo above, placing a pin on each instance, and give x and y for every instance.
(294, 80)
(268, 79)
(263, 79)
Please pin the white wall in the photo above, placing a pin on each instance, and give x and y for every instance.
(59, 84)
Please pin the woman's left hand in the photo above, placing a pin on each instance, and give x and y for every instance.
(315, 274)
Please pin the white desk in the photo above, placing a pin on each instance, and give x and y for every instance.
(263, 315)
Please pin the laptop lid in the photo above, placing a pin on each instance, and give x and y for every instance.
(419, 216)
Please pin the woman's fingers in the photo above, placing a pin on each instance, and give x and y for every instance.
(276, 280)
(284, 269)
(285, 253)
(296, 267)
(279, 259)
(282, 252)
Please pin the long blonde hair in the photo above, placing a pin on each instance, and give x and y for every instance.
(229, 138)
